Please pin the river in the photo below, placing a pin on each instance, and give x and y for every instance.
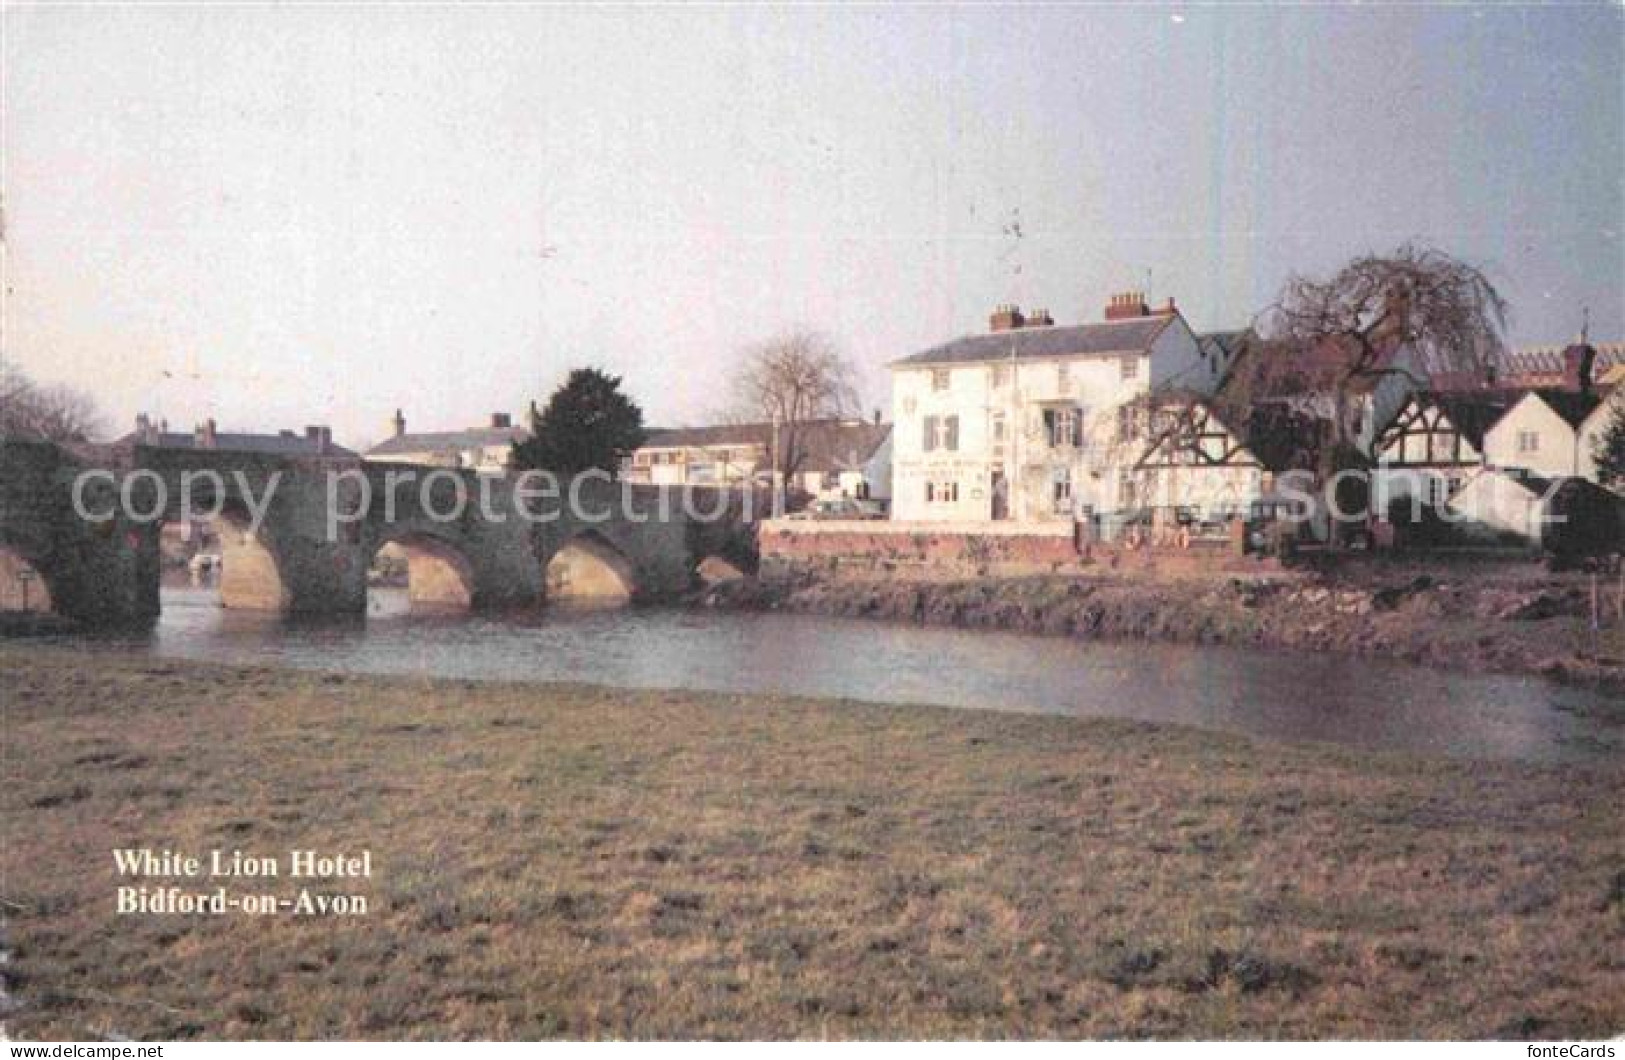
(1279, 696)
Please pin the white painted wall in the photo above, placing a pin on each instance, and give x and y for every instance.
(1554, 455)
(1095, 384)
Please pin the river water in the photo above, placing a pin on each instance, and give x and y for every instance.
(1279, 696)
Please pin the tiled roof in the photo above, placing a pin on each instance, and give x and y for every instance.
(286, 443)
(1114, 336)
(1548, 360)
(443, 441)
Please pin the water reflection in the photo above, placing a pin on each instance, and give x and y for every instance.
(1276, 695)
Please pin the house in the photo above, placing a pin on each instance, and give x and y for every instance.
(1033, 421)
(831, 457)
(485, 449)
(1435, 443)
(1540, 433)
(315, 441)
(1196, 463)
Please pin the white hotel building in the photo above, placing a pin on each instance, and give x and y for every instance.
(1033, 421)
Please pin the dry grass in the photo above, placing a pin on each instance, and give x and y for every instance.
(582, 862)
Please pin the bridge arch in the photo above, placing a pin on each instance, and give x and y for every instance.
(251, 575)
(588, 568)
(439, 573)
(25, 581)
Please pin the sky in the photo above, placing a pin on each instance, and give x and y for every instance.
(279, 216)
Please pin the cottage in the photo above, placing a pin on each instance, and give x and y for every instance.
(1195, 464)
(1435, 444)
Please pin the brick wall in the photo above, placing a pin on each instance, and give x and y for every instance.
(929, 550)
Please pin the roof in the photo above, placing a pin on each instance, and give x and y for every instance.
(1134, 335)
(1472, 413)
(1526, 480)
(442, 441)
(708, 437)
(826, 445)
(1571, 406)
(1224, 343)
(1542, 364)
(284, 443)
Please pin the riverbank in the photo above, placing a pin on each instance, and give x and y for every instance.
(1521, 622)
(585, 862)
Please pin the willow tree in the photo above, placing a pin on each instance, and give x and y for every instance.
(1416, 313)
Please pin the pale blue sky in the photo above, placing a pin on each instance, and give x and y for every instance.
(308, 214)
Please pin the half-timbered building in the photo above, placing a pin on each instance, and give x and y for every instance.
(1436, 443)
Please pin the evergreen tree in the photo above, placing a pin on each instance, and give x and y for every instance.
(1610, 450)
(588, 423)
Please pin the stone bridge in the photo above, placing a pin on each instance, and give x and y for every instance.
(300, 535)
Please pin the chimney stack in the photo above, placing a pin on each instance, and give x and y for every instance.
(877, 417)
(501, 421)
(321, 437)
(1168, 310)
(1127, 306)
(1005, 318)
(398, 423)
(145, 432)
(1040, 319)
(1579, 360)
(204, 436)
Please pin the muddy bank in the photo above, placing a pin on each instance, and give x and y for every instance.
(1506, 624)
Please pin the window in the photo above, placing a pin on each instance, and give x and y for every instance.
(1061, 488)
(940, 377)
(1126, 427)
(950, 433)
(1001, 376)
(1062, 427)
(998, 427)
(940, 432)
(1528, 441)
(942, 492)
(1129, 367)
(929, 435)
(1063, 377)
(1438, 492)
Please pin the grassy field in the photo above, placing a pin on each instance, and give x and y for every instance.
(583, 862)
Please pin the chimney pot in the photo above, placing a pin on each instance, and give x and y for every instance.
(1005, 318)
(1127, 306)
(399, 423)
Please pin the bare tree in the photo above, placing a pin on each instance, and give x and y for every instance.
(1417, 313)
(52, 413)
(792, 381)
